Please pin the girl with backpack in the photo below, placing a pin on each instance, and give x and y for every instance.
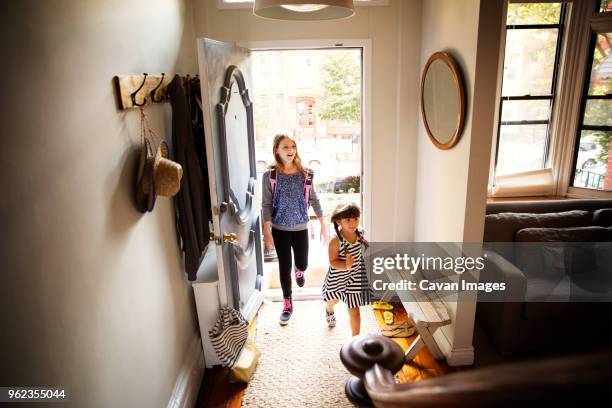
(287, 194)
(346, 279)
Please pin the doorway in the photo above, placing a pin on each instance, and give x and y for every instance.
(316, 95)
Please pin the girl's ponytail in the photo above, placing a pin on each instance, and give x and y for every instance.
(337, 229)
(361, 239)
(340, 239)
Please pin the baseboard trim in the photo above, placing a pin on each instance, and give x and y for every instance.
(461, 356)
(454, 356)
(187, 386)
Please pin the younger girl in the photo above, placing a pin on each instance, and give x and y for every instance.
(287, 194)
(346, 278)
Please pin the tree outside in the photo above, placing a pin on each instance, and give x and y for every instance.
(341, 98)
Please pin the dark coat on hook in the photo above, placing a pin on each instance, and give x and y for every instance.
(193, 200)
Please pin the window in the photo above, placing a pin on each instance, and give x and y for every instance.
(305, 112)
(532, 53)
(593, 152)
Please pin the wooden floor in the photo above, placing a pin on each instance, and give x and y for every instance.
(424, 365)
(217, 392)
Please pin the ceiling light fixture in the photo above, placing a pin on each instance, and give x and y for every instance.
(304, 9)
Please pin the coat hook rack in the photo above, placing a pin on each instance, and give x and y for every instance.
(133, 91)
(133, 95)
(156, 88)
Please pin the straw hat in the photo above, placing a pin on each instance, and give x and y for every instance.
(145, 183)
(157, 175)
(166, 173)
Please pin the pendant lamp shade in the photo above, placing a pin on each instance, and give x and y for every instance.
(305, 10)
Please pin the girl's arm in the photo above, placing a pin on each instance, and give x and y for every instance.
(334, 256)
(324, 232)
(316, 206)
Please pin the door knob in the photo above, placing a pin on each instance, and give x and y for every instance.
(231, 237)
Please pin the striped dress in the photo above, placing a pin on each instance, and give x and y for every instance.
(350, 286)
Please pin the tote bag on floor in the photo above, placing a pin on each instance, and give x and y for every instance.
(228, 335)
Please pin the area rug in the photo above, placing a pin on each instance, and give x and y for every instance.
(300, 363)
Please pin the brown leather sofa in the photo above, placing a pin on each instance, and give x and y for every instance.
(543, 326)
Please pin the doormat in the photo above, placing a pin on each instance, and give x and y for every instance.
(300, 363)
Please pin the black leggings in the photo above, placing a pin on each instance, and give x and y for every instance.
(283, 242)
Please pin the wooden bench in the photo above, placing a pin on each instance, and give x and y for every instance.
(426, 311)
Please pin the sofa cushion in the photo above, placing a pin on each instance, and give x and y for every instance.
(548, 206)
(577, 234)
(503, 226)
(603, 217)
(577, 260)
(553, 262)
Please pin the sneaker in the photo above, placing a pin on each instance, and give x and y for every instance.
(299, 277)
(286, 313)
(331, 319)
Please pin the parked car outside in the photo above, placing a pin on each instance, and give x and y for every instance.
(312, 157)
(588, 150)
(347, 184)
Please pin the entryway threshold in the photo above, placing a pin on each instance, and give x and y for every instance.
(276, 295)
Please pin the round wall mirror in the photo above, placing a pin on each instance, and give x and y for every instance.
(442, 100)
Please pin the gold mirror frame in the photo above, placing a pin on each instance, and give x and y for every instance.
(458, 79)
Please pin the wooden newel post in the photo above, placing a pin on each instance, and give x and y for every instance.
(360, 354)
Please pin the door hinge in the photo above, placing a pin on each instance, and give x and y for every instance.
(212, 237)
(220, 209)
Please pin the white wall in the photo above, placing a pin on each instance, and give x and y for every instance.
(93, 296)
(451, 184)
(395, 34)
(449, 26)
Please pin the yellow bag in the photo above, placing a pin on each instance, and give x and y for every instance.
(243, 369)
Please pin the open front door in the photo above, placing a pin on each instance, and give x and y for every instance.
(225, 76)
